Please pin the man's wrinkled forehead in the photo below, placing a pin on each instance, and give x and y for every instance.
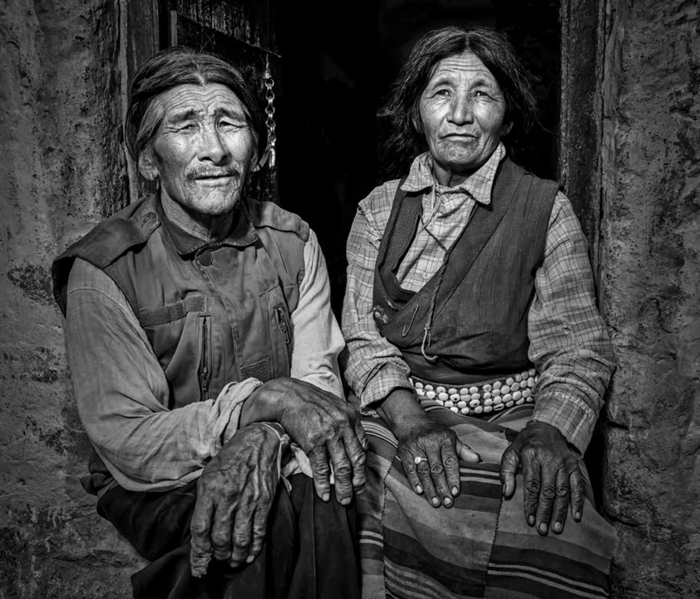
(190, 101)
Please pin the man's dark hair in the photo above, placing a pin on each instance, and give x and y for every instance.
(400, 115)
(180, 65)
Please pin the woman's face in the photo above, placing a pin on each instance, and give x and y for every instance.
(462, 112)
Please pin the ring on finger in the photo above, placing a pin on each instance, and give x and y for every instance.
(418, 459)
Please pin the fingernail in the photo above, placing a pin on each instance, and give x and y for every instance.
(419, 489)
(531, 520)
(543, 528)
(326, 496)
(250, 559)
(577, 515)
(435, 501)
(447, 502)
(557, 527)
(455, 491)
(504, 489)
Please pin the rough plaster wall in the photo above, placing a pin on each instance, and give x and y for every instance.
(651, 290)
(59, 173)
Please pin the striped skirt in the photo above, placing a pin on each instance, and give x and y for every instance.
(481, 546)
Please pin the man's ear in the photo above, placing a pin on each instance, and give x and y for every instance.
(147, 166)
(506, 128)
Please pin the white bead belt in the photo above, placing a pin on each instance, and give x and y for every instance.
(481, 398)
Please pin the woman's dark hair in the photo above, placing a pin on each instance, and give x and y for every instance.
(400, 114)
(179, 65)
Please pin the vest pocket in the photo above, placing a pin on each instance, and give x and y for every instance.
(283, 323)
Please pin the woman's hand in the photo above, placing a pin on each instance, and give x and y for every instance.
(429, 452)
(552, 478)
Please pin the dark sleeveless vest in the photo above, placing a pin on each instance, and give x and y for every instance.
(217, 315)
(481, 297)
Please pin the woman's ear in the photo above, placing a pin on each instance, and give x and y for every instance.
(506, 128)
(147, 166)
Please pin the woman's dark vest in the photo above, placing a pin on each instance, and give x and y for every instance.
(482, 295)
(219, 315)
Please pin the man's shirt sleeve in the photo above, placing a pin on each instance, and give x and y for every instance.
(569, 343)
(317, 337)
(122, 393)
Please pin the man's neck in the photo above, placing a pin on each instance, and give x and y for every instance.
(202, 226)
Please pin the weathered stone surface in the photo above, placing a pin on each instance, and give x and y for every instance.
(650, 290)
(60, 172)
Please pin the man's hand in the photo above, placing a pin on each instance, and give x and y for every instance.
(234, 495)
(326, 427)
(551, 475)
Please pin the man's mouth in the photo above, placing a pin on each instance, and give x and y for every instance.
(213, 177)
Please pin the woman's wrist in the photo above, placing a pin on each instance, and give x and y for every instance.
(399, 408)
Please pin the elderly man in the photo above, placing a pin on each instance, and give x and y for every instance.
(203, 354)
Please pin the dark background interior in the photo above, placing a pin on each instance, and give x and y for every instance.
(338, 59)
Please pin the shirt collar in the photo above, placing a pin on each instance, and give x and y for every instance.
(479, 184)
(242, 233)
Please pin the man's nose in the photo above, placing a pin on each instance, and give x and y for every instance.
(461, 109)
(211, 146)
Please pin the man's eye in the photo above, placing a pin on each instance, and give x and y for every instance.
(443, 93)
(231, 124)
(480, 93)
(187, 127)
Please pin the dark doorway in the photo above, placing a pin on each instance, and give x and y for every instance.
(338, 59)
(332, 64)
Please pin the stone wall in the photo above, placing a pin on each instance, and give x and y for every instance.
(60, 172)
(629, 147)
(650, 288)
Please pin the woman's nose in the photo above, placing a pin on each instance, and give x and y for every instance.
(461, 109)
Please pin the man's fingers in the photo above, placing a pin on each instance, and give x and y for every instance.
(342, 471)
(355, 447)
(467, 454)
(222, 523)
(200, 526)
(322, 471)
(242, 535)
(361, 435)
(510, 462)
(259, 528)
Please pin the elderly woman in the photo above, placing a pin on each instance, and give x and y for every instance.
(474, 346)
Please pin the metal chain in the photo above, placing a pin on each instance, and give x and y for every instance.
(270, 112)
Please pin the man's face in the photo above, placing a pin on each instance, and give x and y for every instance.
(204, 148)
(462, 112)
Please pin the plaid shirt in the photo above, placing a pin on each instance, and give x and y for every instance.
(569, 343)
